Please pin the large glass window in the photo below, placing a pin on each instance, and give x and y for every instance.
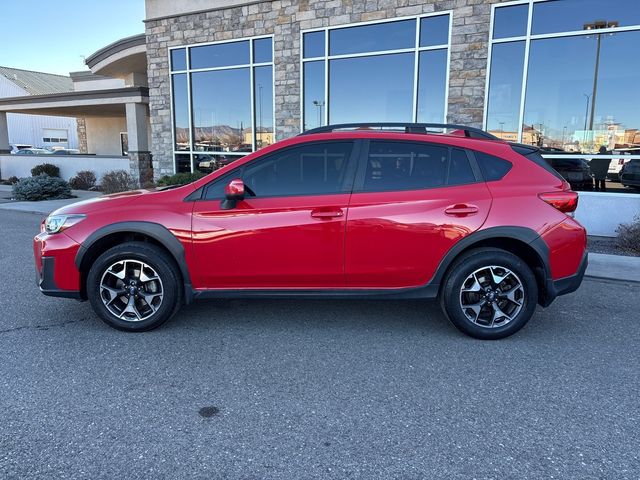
(223, 105)
(557, 16)
(376, 87)
(568, 83)
(392, 71)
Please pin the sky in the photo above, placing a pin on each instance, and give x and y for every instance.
(55, 36)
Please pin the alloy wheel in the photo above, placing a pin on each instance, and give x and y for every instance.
(131, 290)
(492, 296)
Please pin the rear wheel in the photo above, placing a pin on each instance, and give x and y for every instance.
(489, 294)
(134, 287)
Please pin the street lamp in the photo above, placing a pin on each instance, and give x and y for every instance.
(257, 133)
(597, 25)
(501, 129)
(586, 116)
(320, 105)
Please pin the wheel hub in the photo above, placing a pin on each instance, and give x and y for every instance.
(131, 290)
(491, 296)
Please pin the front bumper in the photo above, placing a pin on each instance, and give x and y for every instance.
(56, 273)
(46, 281)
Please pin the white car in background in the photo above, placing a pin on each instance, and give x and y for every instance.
(16, 147)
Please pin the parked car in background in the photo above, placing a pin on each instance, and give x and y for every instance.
(33, 151)
(630, 174)
(573, 170)
(19, 146)
(485, 226)
(616, 164)
(206, 163)
(66, 151)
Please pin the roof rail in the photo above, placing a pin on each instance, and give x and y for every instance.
(408, 128)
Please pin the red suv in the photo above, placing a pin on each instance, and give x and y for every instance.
(347, 211)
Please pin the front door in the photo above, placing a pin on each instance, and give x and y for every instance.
(288, 232)
(411, 203)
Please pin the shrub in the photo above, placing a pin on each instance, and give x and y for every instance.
(84, 180)
(41, 187)
(47, 169)
(117, 181)
(180, 178)
(629, 236)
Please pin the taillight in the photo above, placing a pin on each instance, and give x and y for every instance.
(621, 161)
(566, 201)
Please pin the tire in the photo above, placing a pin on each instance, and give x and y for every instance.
(516, 296)
(143, 269)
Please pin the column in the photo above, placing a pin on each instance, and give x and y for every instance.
(4, 134)
(137, 133)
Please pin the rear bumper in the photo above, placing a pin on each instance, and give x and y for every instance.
(566, 285)
(47, 283)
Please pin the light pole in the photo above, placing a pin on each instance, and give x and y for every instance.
(597, 25)
(501, 130)
(320, 105)
(586, 117)
(260, 114)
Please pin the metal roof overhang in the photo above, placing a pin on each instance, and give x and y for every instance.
(90, 103)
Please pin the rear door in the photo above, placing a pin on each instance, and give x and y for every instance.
(412, 202)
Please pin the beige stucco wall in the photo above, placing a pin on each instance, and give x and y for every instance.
(103, 134)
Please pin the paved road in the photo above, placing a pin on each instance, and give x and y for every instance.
(311, 389)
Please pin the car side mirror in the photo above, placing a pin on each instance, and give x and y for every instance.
(233, 192)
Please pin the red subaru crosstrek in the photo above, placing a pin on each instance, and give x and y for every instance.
(390, 211)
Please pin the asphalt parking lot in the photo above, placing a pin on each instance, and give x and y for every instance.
(313, 389)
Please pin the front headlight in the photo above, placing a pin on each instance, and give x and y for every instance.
(57, 223)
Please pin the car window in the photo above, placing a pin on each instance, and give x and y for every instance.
(312, 169)
(493, 168)
(413, 166)
(460, 171)
(405, 166)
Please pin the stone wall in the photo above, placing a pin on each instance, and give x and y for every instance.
(284, 19)
(81, 126)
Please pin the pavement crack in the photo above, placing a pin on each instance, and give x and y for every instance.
(43, 327)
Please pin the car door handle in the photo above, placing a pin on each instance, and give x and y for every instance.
(326, 214)
(461, 210)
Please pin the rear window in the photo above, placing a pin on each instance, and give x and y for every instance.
(493, 168)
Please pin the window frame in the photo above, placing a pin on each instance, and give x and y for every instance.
(252, 65)
(528, 38)
(238, 172)
(358, 186)
(416, 49)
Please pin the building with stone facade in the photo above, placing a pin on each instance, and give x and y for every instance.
(551, 72)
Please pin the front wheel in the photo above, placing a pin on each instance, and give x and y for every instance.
(134, 287)
(489, 293)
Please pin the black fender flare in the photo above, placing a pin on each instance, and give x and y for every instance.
(154, 230)
(523, 234)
